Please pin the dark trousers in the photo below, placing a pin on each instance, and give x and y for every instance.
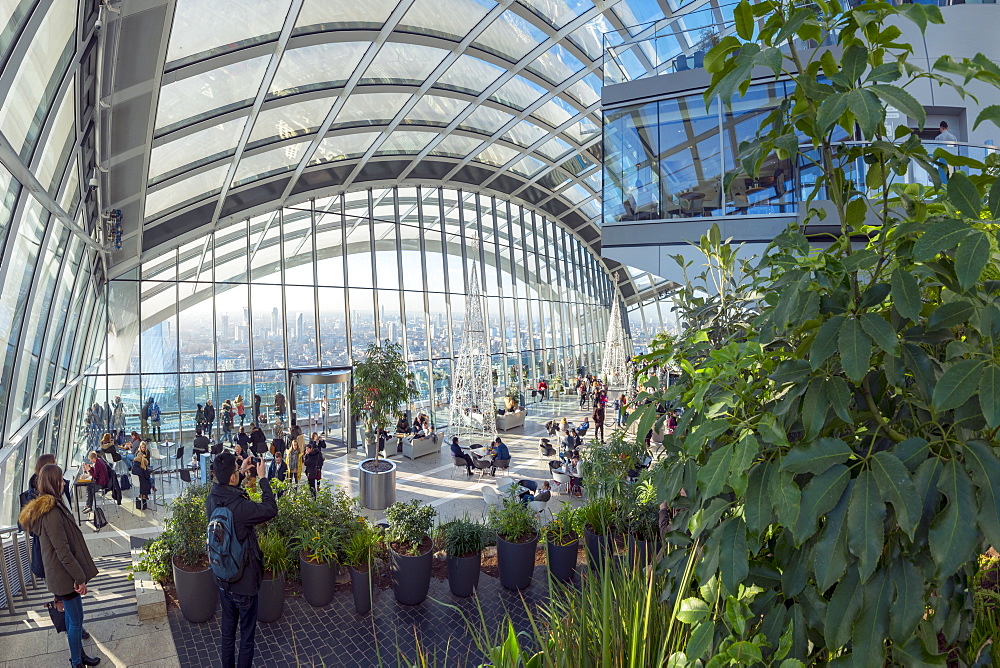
(583, 400)
(468, 462)
(74, 628)
(242, 609)
(208, 429)
(313, 486)
(599, 429)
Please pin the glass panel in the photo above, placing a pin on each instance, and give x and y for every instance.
(290, 120)
(301, 326)
(456, 146)
(470, 74)
(555, 112)
(496, 155)
(527, 166)
(232, 328)
(12, 15)
(298, 248)
(196, 148)
(518, 93)
(402, 63)
(558, 12)
(332, 327)
(268, 327)
(265, 249)
(317, 66)
(342, 147)
(486, 120)
(435, 110)
(209, 27)
(405, 142)
(268, 163)
(325, 15)
(58, 144)
(554, 149)
(447, 18)
(194, 186)
(557, 64)
(37, 77)
(524, 134)
(370, 108)
(213, 92)
(510, 36)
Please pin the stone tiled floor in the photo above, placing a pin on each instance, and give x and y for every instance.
(336, 635)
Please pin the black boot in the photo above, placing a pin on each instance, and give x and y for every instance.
(84, 634)
(90, 660)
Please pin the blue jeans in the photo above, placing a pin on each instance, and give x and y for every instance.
(237, 607)
(74, 628)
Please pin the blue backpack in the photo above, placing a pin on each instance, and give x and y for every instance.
(226, 553)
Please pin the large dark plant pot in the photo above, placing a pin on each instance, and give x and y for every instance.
(641, 552)
(411, 576)
(562, 559)
(361, 588)
(597, 548)
(317, 581)
(463, 574)
(271, 600)
(197, 593)
(516, 562)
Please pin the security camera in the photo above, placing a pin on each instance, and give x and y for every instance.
(93, 183)
(98, 24)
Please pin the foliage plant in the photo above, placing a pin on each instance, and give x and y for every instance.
(183, 537)
(561, 530)
(409, 523)
(514, 394)
(598, 514)
(274, 551)
(322, 525)
(641, 514)
(361, 545)
(464, 537)
(512, 520)
(320, 545)
(380, 384)
(839, 454)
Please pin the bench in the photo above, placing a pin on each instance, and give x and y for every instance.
(418, 447)
(511, 419)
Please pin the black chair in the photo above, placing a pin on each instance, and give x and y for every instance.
(185, 475)
(217, 448)
(545, 448)
(460, 463)
(179, 456)
(528, 484)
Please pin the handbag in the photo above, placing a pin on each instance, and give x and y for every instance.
(57, 616)
(125, 483)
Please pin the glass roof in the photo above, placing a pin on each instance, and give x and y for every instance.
(510, 88)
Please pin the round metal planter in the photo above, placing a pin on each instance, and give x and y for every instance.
(378, 490)
(562, 559)
(411, 576)
(318, 581)
(463, 574)
(271, 599)
(516, 562)
(197, 593)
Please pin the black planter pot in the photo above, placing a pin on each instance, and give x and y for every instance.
(516, 562)
(361, 587)
(597, 548)
(641, 552)
(562, 559)
(411, 576)
(463, 574)
(271, 600)
(197, 593)
(317, 582)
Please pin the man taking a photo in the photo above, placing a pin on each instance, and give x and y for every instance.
(234, 552)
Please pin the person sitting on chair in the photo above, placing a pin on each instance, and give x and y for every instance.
(584, 426)
(100, 474)
(458, 453)
(544, 494)
(201, 443)
(501, 453)
(402, 426)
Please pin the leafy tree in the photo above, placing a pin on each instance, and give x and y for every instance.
(380, 384)
(840, 455)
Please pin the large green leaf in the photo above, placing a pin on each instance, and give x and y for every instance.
(825, 343)
(814, 408)
(881, 332)
(700, 435)
(908, 607)
(854, 62)
(953, 536)
(989, 392)
(843, 610)
(912, 452)
(830, 557)
(971, 257)
(989, 113)
(712, 476)
(939, 237)
(964, 195)
(840, 397)
(734, 561)
(913, 653)
(745, 653)
(897, 488)
(701, 640)
(951, 314)
(816, 457)
(993, 200)
(771, 431)
(692, 610)
(906, 294)
(819, 496)
(786, 496)
(866, 524)
(957, 384)
(899, 98)
(855, 350)
(872, 627)
(831, 109)
(743, 14)
(744, 452)
(867, 110)
(981, 460)
(757, 508)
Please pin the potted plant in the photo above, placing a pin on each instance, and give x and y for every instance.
(512, 399)
(597, 520)
(410, 549)
(197, 592)
(464, 541)
(517, 539)
(380, 383)
(562, 543)
(642, 520)
(271, 600)
(359, 555)
(318, 564)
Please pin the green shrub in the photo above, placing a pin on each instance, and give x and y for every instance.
(274, 551)
(464, 537)
(359, 550)
(409, 523)
(562, 529)
(183, 537)
(512, 520)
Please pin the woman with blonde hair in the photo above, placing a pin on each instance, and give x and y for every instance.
(240, 408)
(68, 564)
(140, 468)
(295, 461)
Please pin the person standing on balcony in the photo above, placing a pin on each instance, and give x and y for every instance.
(209, 417)
(240, 408)
(945, 135)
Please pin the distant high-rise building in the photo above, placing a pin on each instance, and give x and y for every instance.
(300, 331)
(224, 326)
(275, 321)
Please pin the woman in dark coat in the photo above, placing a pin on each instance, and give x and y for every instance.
(140, 469)
(313, 461)
(68, 564)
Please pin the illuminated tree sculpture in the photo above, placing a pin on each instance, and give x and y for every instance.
(615, 364)
(473, 416)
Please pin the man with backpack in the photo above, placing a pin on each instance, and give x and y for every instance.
(234, 553)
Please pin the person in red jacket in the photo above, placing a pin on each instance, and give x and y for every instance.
(543, 389)
(101, 476)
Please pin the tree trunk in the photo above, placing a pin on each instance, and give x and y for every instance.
(371, 444)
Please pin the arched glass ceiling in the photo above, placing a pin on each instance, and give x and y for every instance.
(260, 102)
